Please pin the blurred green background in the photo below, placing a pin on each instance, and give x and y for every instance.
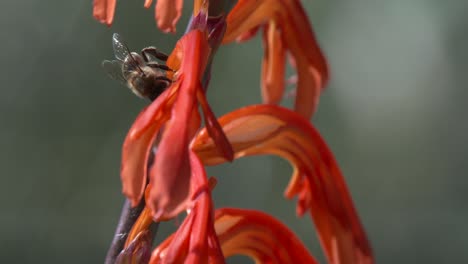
(394, 114)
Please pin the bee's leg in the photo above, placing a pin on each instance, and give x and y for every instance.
(158, 66)
(153, 52)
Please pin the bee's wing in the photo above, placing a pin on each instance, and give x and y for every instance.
(121, 50)
(114, 70)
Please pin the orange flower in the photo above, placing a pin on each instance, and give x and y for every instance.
(286, 29)
(317, 180)
(175, 112)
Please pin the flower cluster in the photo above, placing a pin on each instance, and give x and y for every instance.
(176, 181)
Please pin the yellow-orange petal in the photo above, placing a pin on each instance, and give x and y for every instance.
(167, 13)
(141, 224)
(103, 11)
(259, 236)
(317, 180)
(297, 38)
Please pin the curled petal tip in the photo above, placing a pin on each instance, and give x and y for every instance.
(148, 3)
(103, 11)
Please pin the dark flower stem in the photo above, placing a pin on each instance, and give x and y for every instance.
(126, 221)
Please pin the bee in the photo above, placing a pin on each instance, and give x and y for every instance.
(141, 73)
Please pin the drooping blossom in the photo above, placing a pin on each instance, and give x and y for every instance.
(317, 180)
(286, 30)
(175, 111)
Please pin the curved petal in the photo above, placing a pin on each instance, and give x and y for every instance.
(296, 36)
(317, 180)
(258, 235)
